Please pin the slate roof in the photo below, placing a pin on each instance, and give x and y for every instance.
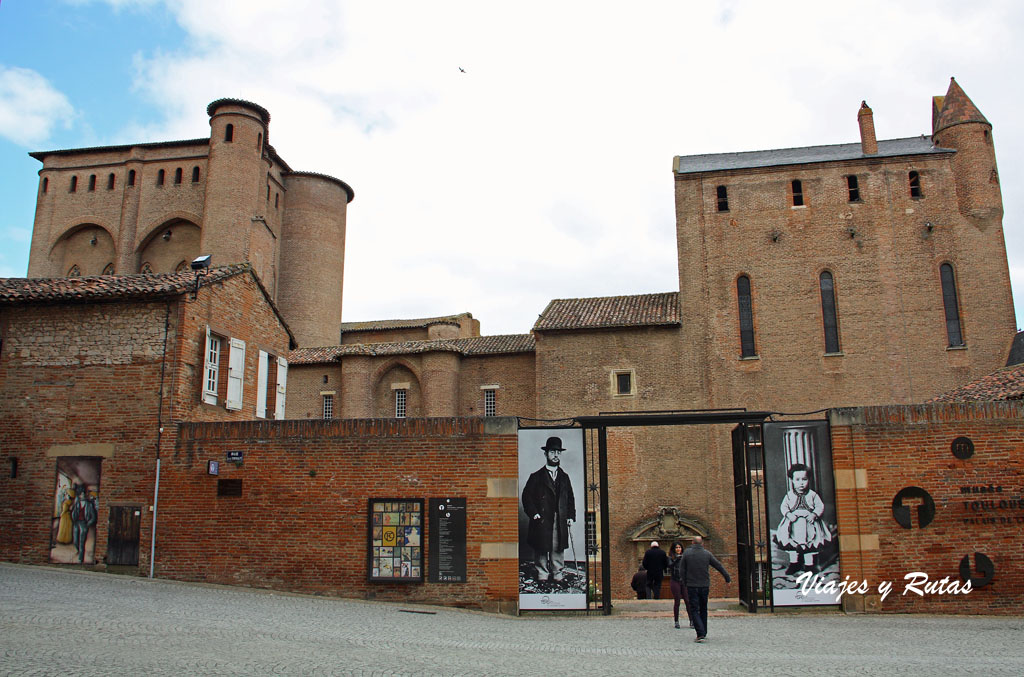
(1016, 350)
(475, 345)
(720, 162)
(606, 312)
(1003, 384)
(417, 323)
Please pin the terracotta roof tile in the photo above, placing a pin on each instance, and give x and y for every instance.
(15, 290)
(382, 325)
(642, 310)
(1003, 384)
(476, 345)
(956, 108)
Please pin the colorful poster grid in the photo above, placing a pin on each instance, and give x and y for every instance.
(396, 540)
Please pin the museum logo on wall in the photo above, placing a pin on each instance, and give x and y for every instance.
(552, 542)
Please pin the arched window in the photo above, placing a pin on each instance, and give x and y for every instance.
(747, 348)
(951, 306)
(798, 193)
(108, 269)
(131, 177)
(75, 271)
(92, 182)
(146, 268)
(182, 267)
(829, 316)
(46, 184)
(177, 176)
(915, 184)
(110, 181)
(229, 133)
(160, 177)
(74, 184)
(195, 175)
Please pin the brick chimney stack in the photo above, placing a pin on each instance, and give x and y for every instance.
(866, 120)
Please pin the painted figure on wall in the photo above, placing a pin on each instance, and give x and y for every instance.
(76, 510)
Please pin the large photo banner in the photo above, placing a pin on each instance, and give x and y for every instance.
(800, 491)
(552, 518)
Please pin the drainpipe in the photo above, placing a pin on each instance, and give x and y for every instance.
(159, 435)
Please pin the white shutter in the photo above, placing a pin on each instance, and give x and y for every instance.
(236, 372)
(209, 370)
(261, 385)
(282, 387)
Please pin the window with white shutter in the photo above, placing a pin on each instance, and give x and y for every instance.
(236, 372)
(262, 370)
(282, 387)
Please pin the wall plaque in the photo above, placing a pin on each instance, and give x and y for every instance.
(963, 448)
(447, 540)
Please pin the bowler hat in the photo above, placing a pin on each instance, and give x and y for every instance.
(554, 444)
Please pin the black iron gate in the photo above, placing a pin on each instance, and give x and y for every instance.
(752, 533)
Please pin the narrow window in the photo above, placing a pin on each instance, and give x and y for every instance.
(276, 197)
(829, 317)
(590, 532)
(268, 192)
(195, 175)
(46, 184)
(74, 184)
(75, 271)
(280, 388)
(951, 306)
(229, 133)
(211, 368)
(259, 141)
(915, 184)
(747, 348)
(14, 466)
(851, 185)
(399, 403)
(490, 403)
(723, 199)
(177, 176)
(160, 178)
(92, 182)
(236, 372)
(131, 177)
(110, 181)
(328, 406)
(798, 193)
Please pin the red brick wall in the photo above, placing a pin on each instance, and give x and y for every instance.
(301, 522)
(894, 447)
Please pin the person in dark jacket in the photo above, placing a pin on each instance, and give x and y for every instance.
(639, 582)
(655, 562)
(550, 504)
(698, 583)
(676, 583)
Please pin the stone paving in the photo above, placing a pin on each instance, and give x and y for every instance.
(69, 622)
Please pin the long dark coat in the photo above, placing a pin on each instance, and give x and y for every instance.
(544, 497)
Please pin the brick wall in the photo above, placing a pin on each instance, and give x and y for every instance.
(301, 521)
(877, 451)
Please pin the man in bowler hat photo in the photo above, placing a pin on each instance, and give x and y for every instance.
(550, 505)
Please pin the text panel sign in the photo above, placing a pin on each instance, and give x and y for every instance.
(447, 540)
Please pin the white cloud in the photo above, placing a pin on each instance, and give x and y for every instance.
(544, 170)
(30, 106)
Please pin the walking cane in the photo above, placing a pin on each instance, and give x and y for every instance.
(572, 546)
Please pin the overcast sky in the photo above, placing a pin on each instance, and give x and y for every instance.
(544, 170)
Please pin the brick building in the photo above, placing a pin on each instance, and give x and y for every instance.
(870, 273)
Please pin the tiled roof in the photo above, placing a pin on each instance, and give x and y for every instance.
(953, 109)
(476, 345)
(41, 154)
(16, 290)
(344, 186)
(1004, 384)
(718, 162)
(611, 311)
(382, 325)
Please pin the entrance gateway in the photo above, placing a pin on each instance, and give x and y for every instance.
(797, 474)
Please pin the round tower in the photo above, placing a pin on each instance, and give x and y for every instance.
(958, 124)
(313, 256)
(235, 174)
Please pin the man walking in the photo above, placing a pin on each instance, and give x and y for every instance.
(698, 583)
(655, 562)
(549, 502)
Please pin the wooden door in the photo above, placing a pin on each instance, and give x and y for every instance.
(123, 535)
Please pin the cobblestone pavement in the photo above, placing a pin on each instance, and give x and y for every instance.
(69, 622)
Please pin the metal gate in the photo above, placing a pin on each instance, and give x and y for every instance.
(752, 533)
(123, 535)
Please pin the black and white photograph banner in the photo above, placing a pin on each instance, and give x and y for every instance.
(552, 542)
(800, 491)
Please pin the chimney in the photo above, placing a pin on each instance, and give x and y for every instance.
(868, 144)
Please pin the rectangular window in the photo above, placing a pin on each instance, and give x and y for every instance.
(915, 184)
(623, 382)
(798, 193)
(229, 487)
(282, 388)
(723, 198)
(400, 403)
(328, 406)
(829, 315)
(746, 307)
(490, 403)
(951, 306)
(591, 532)
(263, 382)
(851, 186)
(211, 368)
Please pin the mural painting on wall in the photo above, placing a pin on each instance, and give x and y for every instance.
(552, 543)
(75, 510)
(395, 540)
(800, 492)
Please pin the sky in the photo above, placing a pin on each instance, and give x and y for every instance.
(502, 154)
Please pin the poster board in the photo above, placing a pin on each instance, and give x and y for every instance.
(395, 535)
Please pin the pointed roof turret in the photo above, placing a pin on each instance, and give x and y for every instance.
(953, 109)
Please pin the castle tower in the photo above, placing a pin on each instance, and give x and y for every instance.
(235, 180)
(957, 123)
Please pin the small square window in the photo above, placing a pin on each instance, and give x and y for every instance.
(623, 383)
(229, 487)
